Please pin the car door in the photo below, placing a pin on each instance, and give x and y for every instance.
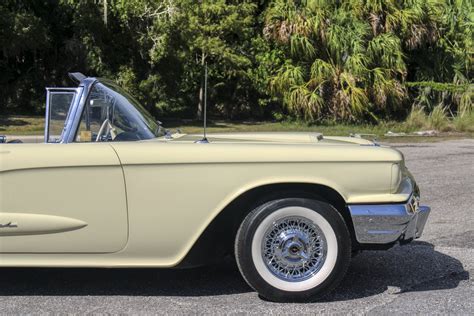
(61, 198)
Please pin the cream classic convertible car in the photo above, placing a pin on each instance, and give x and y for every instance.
(111, 188)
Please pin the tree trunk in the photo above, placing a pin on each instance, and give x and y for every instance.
(201, 91)
(105, 12)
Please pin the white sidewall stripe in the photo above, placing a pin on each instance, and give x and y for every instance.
(331, 255)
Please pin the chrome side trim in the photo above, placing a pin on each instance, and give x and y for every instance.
(388, 223)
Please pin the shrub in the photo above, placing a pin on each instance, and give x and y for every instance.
(417, 119)
(438, 119)
(464, 121)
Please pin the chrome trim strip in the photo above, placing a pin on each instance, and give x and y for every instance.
(388, 223)
(46, 123)
(76, 111)
(72, 114)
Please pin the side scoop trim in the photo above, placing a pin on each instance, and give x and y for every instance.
(17, 224)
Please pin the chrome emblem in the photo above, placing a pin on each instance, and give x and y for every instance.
(9, 225)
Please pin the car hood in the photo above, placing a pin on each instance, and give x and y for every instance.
(271, 137)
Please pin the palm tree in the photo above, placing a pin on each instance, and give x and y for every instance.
(346, 60)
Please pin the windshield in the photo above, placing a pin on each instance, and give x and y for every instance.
(111, 114)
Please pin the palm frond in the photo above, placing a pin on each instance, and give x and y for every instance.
(286, 78)
(357, 95)
(385, 50)
(357, 64)
(301, 46)
(305, 103)
(321, 71)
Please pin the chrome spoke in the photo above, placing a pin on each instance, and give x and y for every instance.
(293, 248)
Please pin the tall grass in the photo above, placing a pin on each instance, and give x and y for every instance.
(464, 120)
(438, 119)
(416, 119)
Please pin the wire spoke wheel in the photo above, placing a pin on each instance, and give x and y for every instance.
(294, 248)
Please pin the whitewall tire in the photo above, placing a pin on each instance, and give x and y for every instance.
(293, 249)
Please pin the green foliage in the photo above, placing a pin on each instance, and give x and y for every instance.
(438, 119)
(417, 119)
(355, 56)
(314, 60)
(218, 33)
(464, 122)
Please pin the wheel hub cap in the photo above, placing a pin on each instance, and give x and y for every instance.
(294, 248)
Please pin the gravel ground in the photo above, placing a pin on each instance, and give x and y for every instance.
(433, 275)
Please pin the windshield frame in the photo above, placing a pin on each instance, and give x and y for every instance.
(77, 108)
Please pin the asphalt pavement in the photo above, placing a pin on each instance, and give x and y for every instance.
(433, 275)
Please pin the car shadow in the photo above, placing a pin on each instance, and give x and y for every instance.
(415, 267)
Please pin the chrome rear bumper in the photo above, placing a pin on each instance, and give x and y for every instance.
(388, 223)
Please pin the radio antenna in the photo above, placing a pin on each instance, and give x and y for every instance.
(204, 139)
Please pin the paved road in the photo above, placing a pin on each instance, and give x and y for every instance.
(432, 275)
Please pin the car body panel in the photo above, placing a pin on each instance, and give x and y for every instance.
(73, 197)
(174, 190)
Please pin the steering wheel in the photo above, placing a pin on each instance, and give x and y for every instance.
(105, 129)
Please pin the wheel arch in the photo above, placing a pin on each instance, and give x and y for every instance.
(217, 239)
